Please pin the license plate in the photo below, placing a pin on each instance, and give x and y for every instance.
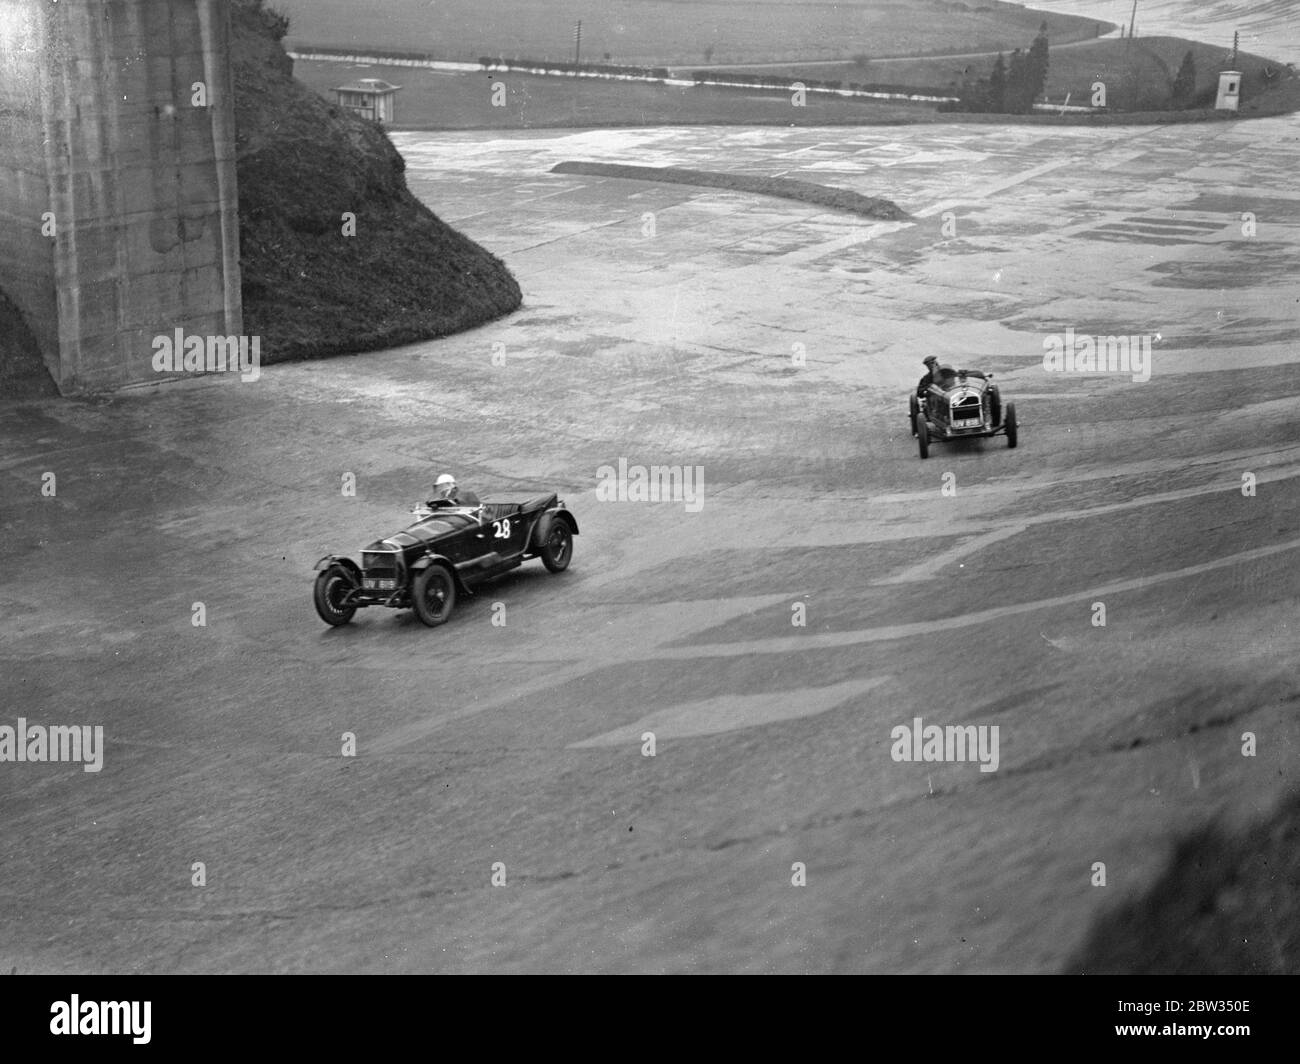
(966, 423)
(380, 585)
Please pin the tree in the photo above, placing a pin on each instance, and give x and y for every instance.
(1026, 75)
(1184, 89)
(997, 101)
(973, 95)
(1016, 93)
(1036, 67)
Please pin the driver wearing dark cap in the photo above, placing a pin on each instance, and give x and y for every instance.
(931, 372)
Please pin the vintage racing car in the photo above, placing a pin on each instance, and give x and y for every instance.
(962, 404)
(446, 552)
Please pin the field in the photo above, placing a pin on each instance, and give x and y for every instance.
(438, 100)
(676, 32)
(434, 100)
(1074, 67)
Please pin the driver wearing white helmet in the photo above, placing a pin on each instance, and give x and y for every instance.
(445, 488)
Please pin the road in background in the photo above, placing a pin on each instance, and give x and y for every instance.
(1267, 27)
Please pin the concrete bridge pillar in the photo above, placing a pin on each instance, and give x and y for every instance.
(119, 215)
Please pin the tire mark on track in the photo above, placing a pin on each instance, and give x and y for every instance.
(827, 640)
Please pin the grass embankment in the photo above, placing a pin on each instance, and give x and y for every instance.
(1226, 904)
(1137, 74)
(433, 100)
(671, 33)
(303, 164)
(782, 187)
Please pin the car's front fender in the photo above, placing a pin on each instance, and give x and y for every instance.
(562, 514)
(544, 522)
(425, 560)
(342, 562)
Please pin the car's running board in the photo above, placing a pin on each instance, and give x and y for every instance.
(484, 575)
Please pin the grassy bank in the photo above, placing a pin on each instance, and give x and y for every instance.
(1222, 893)
(1137, 74)
(305, 167)
(433, 100)
(666, 32)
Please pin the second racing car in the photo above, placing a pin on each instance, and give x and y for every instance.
(960, 404)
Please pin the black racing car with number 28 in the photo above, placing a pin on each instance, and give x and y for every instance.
(447, 552)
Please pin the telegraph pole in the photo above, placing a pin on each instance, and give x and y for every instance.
(577, 43)
(1128, 57)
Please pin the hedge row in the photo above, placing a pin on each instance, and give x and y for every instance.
(776, 81)
(542, 66)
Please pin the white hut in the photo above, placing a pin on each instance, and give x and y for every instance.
(1229, 90)
(370, 98)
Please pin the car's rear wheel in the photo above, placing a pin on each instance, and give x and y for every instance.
(556, 543)
(913, 408)
(332, 586)
(1012, 428)
(923, 437)
(433, 595)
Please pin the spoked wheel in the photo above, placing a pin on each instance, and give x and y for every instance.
(923, 437)
(1012, 427)
(332, 587)
(557, 545)
(913, 409)
(433, 596)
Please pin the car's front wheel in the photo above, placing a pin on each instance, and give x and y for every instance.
(923, 437)
(1013, 429)
(433, 595)
(332, 587)
(913, 409)
(556, 539)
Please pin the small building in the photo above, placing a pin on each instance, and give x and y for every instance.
(1229, 90)
(370, 98)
